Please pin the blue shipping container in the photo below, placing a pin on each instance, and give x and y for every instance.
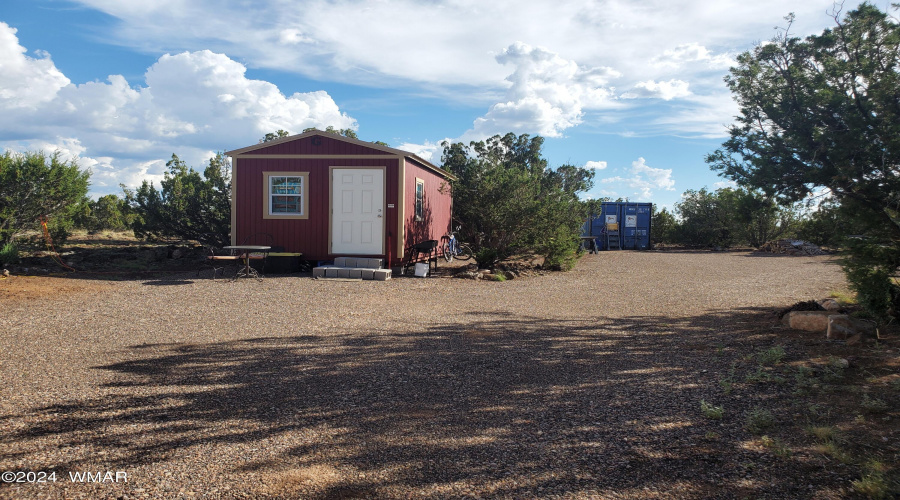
(633, 220)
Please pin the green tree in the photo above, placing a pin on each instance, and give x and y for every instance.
(508, 200)
(706, 219)
(826, 226)
(824, 111)
(663, 226)
(187, 206)
(346, 132)
(32, 186)
(271, 136)
(757, 218)
(106, 213)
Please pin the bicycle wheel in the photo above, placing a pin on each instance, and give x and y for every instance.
(464, 252)
(448, 255)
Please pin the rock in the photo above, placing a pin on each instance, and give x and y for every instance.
(177, 253)
(810, 321)
(472, 275)
(6, 272)
(830, 305)
(841, 327)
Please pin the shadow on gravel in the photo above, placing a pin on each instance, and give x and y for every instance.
(494, 406)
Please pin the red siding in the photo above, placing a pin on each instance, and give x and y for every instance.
(307, 236)
(326, 146)
(437, 205)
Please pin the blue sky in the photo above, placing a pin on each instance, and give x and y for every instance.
(632, 89)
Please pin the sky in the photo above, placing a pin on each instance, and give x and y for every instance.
(631, 89)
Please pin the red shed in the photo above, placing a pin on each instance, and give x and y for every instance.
(327, 196)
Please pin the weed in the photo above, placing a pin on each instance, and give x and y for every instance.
(872, 484)
(817, 411)
(823, 433)
(777, 446)
(833, 371)
(710, 411)
(760, 376)
(771, 356)
(758, 420)
(844, 298)
(727, 383)
(873, 405)
(9, 254)
(833, 449)
(711, 436)
(860, 419)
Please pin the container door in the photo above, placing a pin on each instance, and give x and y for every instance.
(357, 211)
(642, 236)
(629, 229)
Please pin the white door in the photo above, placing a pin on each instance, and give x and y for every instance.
(357, 211)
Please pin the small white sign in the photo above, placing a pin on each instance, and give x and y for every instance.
(611, 219)
(631, 221)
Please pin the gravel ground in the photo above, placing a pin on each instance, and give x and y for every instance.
(571, 385)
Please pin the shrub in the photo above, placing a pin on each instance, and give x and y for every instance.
(872, 484)
(561, 250)
(771, 356)
(758, 420)
(9, 254)
(710, 411)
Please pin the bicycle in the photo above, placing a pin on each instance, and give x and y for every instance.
(452, 248)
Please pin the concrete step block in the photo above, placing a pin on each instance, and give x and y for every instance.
(382, 274)
(355, 273)
(369, 263)
(367, 274)
(331, 272)
(318, 272)
(343, 272)
(345, 261)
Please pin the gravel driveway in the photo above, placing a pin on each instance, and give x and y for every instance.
(583, 384)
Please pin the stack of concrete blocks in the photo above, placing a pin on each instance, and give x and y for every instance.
(354, 268)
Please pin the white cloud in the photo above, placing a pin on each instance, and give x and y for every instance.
(595, 165)
(658, 177)
(690, 53)
(430, 151)
(666, 91)
(193, 102)
(548, 94)
(644, 180)
(447, 48)
(25, 82)
(725, 184)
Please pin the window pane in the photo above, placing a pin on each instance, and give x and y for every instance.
(287, 204)
(286, 185)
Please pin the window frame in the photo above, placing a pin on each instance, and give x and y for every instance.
(419, 203)
(268, 195)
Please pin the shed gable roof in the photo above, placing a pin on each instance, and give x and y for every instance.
(363, 148)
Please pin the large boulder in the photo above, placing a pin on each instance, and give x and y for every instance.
(841, 327)
(810, 321)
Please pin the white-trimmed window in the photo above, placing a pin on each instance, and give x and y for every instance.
(420, 198)
(285, 195)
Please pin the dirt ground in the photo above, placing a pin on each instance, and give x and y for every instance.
(636, 375)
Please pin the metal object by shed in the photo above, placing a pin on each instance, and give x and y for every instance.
(632, 220)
